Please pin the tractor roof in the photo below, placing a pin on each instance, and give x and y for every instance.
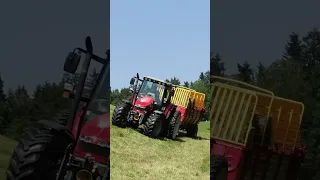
(158, 81)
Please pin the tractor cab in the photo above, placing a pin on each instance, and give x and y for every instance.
(150, 95)
(153, 92)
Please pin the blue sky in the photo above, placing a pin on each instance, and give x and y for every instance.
(159, 38)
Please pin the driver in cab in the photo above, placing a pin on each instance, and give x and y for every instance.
(155, 94)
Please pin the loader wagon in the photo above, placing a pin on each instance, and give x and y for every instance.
(191, 105)
(255, 135)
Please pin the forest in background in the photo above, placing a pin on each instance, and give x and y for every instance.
(295, 75)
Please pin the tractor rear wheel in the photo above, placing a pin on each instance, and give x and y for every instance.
(174, 125)
(192, 131)
(37, 155)
(154, 126)
(120, 113)
(218, 168)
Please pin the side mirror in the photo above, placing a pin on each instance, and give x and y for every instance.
(132, 81)
(71, 63)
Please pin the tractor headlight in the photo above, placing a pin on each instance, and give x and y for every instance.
(136, 116)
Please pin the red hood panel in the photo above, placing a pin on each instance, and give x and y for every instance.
(145, 101)
(98, 127)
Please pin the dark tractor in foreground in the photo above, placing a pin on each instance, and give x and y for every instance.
(76, 145)
(160, 109)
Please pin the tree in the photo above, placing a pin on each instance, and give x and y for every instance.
(245, 72)
(311, 47)
(174, 81)
(2, 95)
(216, 65)
(186, 84)
(117, 95)
(261, 74)
(293, 49)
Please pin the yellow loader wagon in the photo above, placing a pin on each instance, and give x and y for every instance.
(191, 105)
(254, 134)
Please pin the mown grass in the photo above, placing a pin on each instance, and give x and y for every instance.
(6, 148)
(135, 156)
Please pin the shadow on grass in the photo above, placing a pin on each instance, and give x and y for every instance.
(177, 139)
(183, 134)
(163, 138)
(200, 138)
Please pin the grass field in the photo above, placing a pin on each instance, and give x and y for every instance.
(6, 148)
(135, 156)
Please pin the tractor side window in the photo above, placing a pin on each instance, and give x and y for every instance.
(100, 102)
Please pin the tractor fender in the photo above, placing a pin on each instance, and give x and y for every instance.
(170, 111)
(57, 127)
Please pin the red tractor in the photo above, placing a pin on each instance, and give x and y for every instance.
(160, 108)
(255, 135)
(73, 147)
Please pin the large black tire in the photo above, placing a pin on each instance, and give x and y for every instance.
(37, 155)
(192, 131)
(218, 168)
(174, 125)
(120, 113)
(154, 126)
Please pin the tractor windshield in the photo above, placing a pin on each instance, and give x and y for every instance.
(152, 89)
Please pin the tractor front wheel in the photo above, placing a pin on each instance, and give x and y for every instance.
(120, 113)
(218, 168)
(37, 155)
(153, 126)
(174, 125)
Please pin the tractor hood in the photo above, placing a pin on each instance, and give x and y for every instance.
(145, 101)
(98, 129)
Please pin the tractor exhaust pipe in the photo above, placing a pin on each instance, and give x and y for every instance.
(84, 175)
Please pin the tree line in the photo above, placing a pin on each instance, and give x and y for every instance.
(295, 75)
(19, 108)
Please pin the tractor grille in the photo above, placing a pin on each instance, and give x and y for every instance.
(94, 149)
(140, 108)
